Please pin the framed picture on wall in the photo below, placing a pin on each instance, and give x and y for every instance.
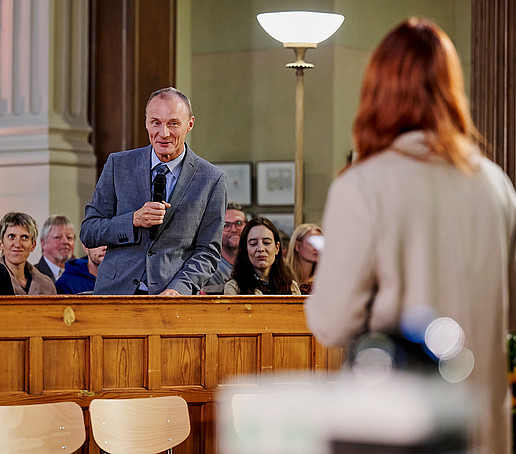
(282, 221)
(275, 182)
(239, 181)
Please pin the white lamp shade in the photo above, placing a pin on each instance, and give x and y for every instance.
(300, 26)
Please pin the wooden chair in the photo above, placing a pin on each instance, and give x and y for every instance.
(41, 429)
(139, 426)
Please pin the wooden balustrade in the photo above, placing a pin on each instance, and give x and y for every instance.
(77, 348)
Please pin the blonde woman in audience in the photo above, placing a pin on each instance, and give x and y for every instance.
(259, 267)
(302, 255)
(18, 233)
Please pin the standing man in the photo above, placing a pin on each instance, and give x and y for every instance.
(80, 274)
(234, 222)
(168, 247)
(57, 245)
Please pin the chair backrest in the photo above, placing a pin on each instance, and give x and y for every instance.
(41, 429)
(139, 426)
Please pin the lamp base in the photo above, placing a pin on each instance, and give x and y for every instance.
(300, 51)
(300, 64)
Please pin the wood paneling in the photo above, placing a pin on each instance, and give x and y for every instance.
(69, 360)
(12, 365)
(182, 359)
(132, 54)
(493, 71)
(238, 358)
(149, 346)
(125, 362)
(293, 354)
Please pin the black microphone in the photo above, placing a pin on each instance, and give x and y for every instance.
(159, 186)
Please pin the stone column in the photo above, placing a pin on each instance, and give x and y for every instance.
(47, 165)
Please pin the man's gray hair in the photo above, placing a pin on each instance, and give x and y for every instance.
(14, 218)
(53, 221)
(169, 92)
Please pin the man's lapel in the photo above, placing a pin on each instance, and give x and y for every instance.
(142, 172)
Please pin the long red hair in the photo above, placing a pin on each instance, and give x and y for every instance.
(414, 82)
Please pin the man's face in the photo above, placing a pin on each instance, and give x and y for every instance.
(167, 122)
(96, 255)
(234, 222)
(59, 244)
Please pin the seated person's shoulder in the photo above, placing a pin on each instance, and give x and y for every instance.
(76, 278)
(214, 289)
(231, 288)
(294, 288)
(6, 286)
(44, 284)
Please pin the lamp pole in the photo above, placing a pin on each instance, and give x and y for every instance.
(299, 65)
(299, 30)
(299, 162)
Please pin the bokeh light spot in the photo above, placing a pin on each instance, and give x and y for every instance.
(444, 337)
(372, 366)
(458, 368)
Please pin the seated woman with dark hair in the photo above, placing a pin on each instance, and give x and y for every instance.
(18, 233)
(259, 267)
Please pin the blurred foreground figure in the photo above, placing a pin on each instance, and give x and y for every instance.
(399, 413)
(422, 220)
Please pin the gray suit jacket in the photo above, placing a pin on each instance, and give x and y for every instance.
(186, 249)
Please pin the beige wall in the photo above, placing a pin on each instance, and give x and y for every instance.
(243, 96)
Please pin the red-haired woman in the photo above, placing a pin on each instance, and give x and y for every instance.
(421, 219)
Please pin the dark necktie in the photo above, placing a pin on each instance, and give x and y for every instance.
(161, 169)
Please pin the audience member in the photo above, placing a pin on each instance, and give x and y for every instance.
(302, 255)
(234, 222)
(57, 245)
(167, 247)
(259, 266)
(422, 218)
(18, 233)
(284, 240)
(80, 274)
(6, 286)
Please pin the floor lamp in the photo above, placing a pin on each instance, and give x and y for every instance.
(300, 31)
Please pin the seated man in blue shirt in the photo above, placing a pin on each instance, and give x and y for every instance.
(80, 274)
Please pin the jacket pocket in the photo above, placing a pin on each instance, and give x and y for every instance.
(107, 270)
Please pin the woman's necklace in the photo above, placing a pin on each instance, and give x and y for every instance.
(261, 284)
